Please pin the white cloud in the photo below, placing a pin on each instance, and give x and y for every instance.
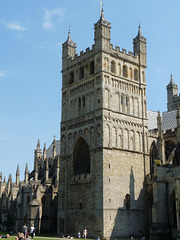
(2, 74)
(14, 26)
(52, 15)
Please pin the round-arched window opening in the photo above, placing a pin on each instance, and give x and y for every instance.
(81, 157)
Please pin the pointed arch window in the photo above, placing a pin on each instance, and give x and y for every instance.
(81, 157)
(81, 72)
(130, 73)
(71, 77)
(91, 67)
(106, 63)
(125, 71)
(136, 74)
(119, 68)
(113, 67)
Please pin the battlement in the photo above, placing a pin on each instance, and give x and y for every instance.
(82, 55)
(122, 53)
(117, 53)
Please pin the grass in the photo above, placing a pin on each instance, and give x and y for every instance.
(40, 236)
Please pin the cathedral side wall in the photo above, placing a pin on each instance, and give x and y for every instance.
(123, 176)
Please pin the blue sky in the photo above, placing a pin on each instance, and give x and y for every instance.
(31, 37)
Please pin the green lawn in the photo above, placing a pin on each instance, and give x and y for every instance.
(41, 237)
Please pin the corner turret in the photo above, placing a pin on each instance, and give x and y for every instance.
(102, 35)
(172, 91)
(139, 43)
(37, 153)
(69, 50)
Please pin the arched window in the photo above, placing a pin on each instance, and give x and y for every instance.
(119, 68)
(71, 77)
(113, 67)
(153, 156)
(169, 146)
(91, 67)
(106, 63)
(81, 72)
(130, 73)
(127, 201)
(136, 74)
(81, 157)
(143, 76)
(125, 71)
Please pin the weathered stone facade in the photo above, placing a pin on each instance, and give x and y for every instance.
(104, 123)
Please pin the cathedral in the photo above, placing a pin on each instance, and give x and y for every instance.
(116, 168)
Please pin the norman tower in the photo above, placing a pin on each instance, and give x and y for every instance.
(103, 158)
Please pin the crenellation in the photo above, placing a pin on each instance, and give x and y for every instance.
(117, 48)
(82, 53)
(124, 51)
(87, 50)
(130, 54)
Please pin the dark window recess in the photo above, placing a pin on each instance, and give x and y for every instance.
(84, 102)
(71, 77)
(81, 157)
(99, 100)
(79, 102)
(81, 72)
(91, 67)
(80, 206)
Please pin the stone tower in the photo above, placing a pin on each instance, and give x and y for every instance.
(104, 158)
(172, 95)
